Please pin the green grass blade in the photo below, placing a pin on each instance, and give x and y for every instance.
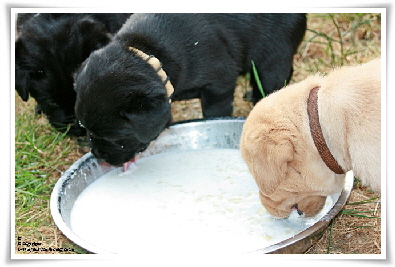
(365, 201)
(258, 81)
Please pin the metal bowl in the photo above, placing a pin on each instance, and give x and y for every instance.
(201, 134)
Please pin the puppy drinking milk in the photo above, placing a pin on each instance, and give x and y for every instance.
(292, 169)
(123, 99)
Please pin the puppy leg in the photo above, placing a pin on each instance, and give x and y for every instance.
(273, 76)
(39, 109)
(217, 102)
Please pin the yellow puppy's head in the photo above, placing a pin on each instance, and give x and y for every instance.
(283, 160)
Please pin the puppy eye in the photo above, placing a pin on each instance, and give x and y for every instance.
(37, 75)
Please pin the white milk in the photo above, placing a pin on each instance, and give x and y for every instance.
(196, 200)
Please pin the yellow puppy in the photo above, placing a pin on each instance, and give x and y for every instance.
(278, 146)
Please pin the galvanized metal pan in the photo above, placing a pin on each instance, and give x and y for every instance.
(199, 134)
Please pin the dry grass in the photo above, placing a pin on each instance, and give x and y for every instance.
(350, 234)
(360, 37)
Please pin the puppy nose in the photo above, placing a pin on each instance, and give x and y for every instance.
(295, 207)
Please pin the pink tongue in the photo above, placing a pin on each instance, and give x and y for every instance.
(127, 164)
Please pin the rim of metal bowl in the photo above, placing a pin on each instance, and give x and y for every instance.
(286, 246)
(311, 234)
(55, 207)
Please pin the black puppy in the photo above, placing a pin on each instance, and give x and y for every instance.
(122, 101)
(48, 50)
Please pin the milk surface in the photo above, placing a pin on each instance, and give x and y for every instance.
(194, 200)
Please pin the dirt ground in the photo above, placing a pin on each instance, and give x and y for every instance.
(348, 233)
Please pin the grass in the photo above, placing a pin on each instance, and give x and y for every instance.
(346, 41)
(38, 153)
(42, 154)
(363, 212)
(341, 39)
(258, 81)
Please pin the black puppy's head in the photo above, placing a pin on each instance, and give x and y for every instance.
(122, 103)
(48, 50)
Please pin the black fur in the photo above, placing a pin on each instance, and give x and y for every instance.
(48, 50)
(121, 100)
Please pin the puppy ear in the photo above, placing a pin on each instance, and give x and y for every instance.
(94, 34)
(148, 115)
(146, 127)
(268, 157)
(22, 81)
(22, 77)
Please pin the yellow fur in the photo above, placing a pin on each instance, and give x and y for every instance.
(279, 150)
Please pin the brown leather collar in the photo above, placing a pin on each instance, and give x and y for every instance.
(316, 133)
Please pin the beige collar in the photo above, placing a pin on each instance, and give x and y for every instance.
(157, 65)
(316, 133)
